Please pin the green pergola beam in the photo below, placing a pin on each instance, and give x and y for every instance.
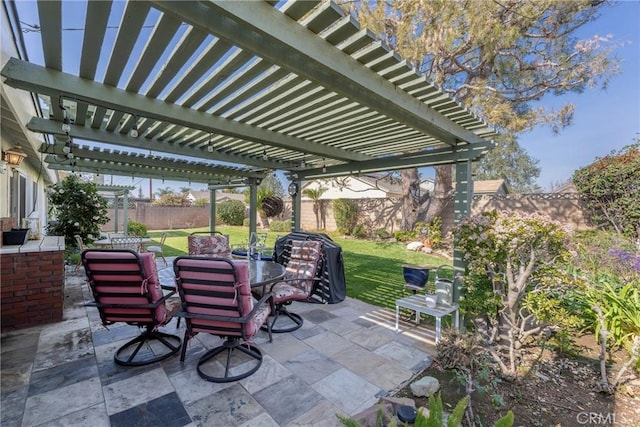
(140, 161)
(37, 79)
(259, 27)
(440, 156)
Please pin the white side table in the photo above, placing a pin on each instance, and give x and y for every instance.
(418, 304)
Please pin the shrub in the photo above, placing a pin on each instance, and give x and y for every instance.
(429, 233)
(245, 222)
(360, 232)
(231, 212)
(280, 226)
(345, 213)
(515, 258)
(404, 236)
(136, 228)
(79, 209)
(382, 233)
(609, 187)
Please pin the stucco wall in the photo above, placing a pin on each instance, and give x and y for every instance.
(374, 213)
(162, 217)
(563, 207)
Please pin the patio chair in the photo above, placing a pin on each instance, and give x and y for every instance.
(210, 244)
(81, 247)
(297, 284)
(157, 249)
(216, 299)
(126, 289)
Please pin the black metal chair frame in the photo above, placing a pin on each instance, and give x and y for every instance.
(281, 308)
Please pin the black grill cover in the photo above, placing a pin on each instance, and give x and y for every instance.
(332, 287)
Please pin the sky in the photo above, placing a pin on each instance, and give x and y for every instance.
(603, 120)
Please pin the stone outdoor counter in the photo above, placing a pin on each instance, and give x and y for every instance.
(32, 283)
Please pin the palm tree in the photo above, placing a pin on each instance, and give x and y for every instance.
(263, 192)
(315, 194)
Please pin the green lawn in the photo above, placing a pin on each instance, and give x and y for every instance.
(373, 270)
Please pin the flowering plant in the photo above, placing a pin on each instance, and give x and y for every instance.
(78, 209)
(626, 264)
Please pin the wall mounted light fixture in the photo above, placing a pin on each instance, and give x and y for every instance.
(14, 156)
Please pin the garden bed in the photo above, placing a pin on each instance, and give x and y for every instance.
(560, 390)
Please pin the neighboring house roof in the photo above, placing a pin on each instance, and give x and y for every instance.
(220, 197)
(197, 195)
(356, 187)
(491, 186)
(566, 187)
(426, 185)
(223, 197)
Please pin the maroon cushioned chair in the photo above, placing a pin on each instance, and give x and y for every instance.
(126, 289)
(209, 243)
(297, 284)
(216, 299)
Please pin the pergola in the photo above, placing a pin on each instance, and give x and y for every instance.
(226, 92)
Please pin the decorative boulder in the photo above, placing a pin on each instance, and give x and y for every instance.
(414, 246)
(425, 387)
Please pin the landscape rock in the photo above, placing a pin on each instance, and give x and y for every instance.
(399, 401)
(370, 416)
(414, 246)
(425, 386)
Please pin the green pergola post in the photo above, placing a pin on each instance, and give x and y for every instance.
(461, 209)
(253, 205)
(212, 209)
(116, 207)
(296, 203)
(125, 212)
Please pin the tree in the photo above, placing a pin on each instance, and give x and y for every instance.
(172, 199)
(78, 208)
(611, 188)
(510, 163)
(495, 57)
(314, 194)
(162, 191)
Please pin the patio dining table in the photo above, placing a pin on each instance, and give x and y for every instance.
(263, 273)
(106, 243)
